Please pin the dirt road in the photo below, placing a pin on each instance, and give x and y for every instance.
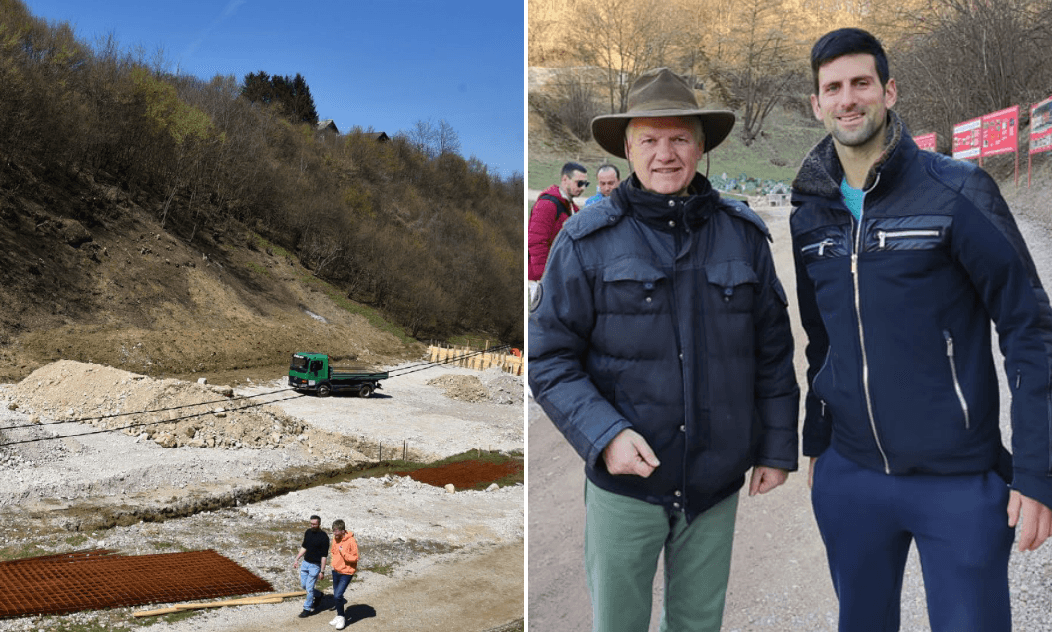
(779, 580)
(470, 594)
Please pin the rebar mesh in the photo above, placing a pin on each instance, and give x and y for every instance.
(91, 580)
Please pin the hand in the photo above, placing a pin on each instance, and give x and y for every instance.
(1037, 520)
(629, 453)
(764, 479)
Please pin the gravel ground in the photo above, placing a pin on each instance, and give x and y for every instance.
(403, 527)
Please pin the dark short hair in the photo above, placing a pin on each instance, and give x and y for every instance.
(570, 167)
(848, 41)
(313, 518)
(605, 166)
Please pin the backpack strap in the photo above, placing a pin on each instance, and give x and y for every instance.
(560, 208)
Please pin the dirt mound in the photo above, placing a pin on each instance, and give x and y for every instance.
(465, 388)
(494, 386)
(172, 413)
(464, 474)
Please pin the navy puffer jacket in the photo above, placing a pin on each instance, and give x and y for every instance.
(898, 308)
(664, 314)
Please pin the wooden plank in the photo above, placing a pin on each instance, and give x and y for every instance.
(155, 613)
(245, 601)
(250, 601)
(242, 601)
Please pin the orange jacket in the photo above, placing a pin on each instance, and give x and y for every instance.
(344, 556)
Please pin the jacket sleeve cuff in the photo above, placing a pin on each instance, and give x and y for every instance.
(1034, 486)
(780, 446)
(815, 445)
(604, 440)
(818, 431)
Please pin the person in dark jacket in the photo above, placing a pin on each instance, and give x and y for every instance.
(903, 257)
(314, 551)
(660, 346)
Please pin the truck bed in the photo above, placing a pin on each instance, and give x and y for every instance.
(357, 373)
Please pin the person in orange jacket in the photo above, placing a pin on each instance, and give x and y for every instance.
(343, 559)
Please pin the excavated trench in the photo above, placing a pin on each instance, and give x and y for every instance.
(93, 516)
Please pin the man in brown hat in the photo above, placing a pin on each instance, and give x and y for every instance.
(660, 346)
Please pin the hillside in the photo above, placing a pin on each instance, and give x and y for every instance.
(122, 291)
(166, 224)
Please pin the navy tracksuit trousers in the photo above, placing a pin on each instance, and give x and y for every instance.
(960, 525)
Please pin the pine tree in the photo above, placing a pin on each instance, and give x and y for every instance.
(290, 95)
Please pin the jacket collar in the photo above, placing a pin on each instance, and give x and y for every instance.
(664, 211)
(821, 171)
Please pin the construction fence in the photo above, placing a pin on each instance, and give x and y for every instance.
(509, 361)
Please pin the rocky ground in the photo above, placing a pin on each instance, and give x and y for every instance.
(207, 471)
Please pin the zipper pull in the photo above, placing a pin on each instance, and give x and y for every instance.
(854, 263)
(882, 235)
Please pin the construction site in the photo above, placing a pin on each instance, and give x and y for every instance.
(127, 500)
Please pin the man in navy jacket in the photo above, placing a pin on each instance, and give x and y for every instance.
(660, 346)
(903, 257)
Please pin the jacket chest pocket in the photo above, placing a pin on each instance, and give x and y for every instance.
(632, 286)
(824, 245)
(913, 233)
(732, 286)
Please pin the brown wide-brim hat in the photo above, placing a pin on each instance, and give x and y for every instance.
(656, 93)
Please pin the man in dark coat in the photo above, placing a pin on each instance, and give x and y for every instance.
(660, 346)
(903, 258)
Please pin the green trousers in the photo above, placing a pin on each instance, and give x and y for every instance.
(623, 539)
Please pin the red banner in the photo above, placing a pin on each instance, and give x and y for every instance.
(1041, 126)
(967, 139)
(1001, 132)
(926, 141)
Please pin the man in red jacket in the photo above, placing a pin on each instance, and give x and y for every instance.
(551, 210)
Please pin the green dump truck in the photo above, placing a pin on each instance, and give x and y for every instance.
(313, 373)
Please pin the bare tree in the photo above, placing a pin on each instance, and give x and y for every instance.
(964, 58)
(447, 138)
(433, 139)
(626, 38)
(767, 61)
(424, 136)
(576, 103)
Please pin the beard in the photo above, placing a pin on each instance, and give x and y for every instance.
(861, 136)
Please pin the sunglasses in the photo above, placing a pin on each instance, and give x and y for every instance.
(582, 183)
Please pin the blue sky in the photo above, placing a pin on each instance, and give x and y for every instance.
(384, 65)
